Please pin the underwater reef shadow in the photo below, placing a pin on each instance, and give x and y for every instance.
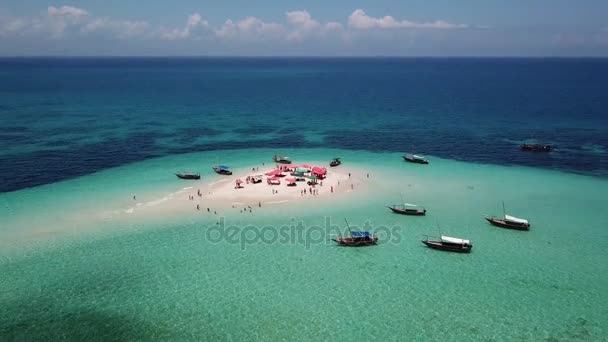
(58, 324)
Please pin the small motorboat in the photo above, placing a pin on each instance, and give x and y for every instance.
(508, 221)
(449, 244)
(281, 159)
(535, 147)
(415, 158)
(188, 175)
(335, 162)
(222, 170)
(407, 209)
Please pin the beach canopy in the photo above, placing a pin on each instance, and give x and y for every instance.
(319, 170)
(515, 219)
(361, 234)
(458, 241)
(290, 180)
(302, 170)
(273, 178)
(274, 172)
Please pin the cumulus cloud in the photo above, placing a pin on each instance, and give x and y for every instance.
(196, 27)
(303, 25)
(67, 11)
(360, 20)
(249, 28)
(121, 29)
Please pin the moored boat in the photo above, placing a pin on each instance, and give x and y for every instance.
(415, 158)
(281, 159)
(356, 239)
(508, 221)
(222, 170)
(335, 162)
(407, 209)
(449, 244)
(188, 175)
(535, 147)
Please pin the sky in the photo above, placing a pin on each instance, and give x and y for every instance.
(304, 28)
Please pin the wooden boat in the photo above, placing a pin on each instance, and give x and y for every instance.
(188, 175)
(415, 158)
(407, 209)
(222, 170)
(281, 159)
(535, 147)
(357, 239)
(335, 162)
(508, 221)
(449, 244)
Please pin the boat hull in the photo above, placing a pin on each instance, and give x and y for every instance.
(536, 148)
(222, 172)
(415, 160)
(503, 224)
(193, 177)
(350, 242)
(408, 212)
(438, 245)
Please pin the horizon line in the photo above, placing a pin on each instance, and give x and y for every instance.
(308, 56)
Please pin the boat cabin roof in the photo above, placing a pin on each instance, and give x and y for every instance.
(223, 167)
(361, 234)
(515, 219)
(417, 156)
(454, 240)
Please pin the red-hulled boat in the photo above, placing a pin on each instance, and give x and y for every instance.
(449, 244)
(357, 239)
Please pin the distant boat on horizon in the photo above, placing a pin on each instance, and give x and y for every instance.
(536, 147)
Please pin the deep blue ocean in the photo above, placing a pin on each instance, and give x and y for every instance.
(65, 117)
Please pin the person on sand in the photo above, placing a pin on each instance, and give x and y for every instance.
(304, 191)
(368, 175)
(349, 175)
(260, 204)
(352, 187)
(208, 210)
(134, 197)
(198, 207)
(332, 188)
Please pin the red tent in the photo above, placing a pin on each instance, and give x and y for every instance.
(274, 172)
(319, 171)
(305, 166)
(290, 180)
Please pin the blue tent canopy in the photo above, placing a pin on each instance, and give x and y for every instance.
(361, 234)
(223, 167)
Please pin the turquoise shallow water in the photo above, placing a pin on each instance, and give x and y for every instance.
(163, 279)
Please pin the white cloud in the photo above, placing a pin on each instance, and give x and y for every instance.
(360, 20)
(195, 28)
(67, 11)
(303, 25)
(121, 29)
(250, 28)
